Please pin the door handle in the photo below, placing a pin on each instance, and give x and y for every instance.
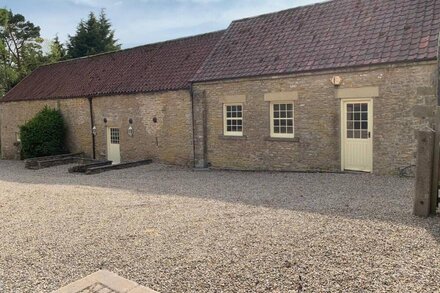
(369, 134)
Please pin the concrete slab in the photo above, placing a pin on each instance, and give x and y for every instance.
(104, 281)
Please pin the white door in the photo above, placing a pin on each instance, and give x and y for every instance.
(113, 147)
(357, 135)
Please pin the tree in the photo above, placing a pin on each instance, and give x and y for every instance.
(20, 48)
(21, 37)
(57, 51)
(93, 36)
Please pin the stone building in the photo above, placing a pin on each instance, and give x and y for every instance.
(138, 100)
(327, 87)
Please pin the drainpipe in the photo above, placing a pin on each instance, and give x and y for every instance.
(438, 71)
(92, 124)
(191, 92)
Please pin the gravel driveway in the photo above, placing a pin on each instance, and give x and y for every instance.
(175, 230)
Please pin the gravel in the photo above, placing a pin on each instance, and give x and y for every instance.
(175, 230)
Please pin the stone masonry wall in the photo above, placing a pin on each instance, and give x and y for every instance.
(316, 119)
(168, 140)
(75, 113)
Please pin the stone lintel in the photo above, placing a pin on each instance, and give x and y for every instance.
(361, 92)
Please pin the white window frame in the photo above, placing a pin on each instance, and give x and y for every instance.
(225, 120)
(281, 135)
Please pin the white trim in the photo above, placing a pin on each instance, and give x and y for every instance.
(225, 119)
(343, 121)
(271, 110)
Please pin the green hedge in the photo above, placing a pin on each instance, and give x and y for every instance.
(43, 135)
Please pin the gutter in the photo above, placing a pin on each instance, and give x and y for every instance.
(92, 124)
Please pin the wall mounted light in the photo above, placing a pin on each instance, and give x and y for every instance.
(130, 131)
(94, 132)
(130, 121)
(154, 120)
(336, 80)
(105, 120)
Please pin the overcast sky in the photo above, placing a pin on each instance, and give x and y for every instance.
(139, 22)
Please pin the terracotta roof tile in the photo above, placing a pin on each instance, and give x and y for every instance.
(156, 67)
(327, 35)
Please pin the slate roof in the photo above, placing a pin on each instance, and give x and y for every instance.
(156, 67)
(329, 35)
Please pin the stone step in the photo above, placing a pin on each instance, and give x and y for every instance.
(49, 161)
(83, 168)
(96, 170)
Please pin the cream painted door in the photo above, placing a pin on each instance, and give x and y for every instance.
(113, 147)
(357, 135)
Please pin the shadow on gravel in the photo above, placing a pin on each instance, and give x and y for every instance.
(353, 196)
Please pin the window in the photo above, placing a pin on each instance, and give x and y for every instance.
(114, 135)
(281, 119)
(357, 120)
(233, 119)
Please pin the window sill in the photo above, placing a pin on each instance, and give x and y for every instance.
(282, 139)
(232, 137)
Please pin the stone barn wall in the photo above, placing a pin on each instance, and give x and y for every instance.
(168, 140)
(316, 119)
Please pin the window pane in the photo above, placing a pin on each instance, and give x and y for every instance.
(357, 107)
(350, 134)
(357, 134)
(276, 130)
(276, 122)
(364, 116)
(276, 107)
(349, 107)
(364, 125)
(283, 122)
(364, 134)
(283, 107)
(283, 114)
(350, 116)
(290, 122)
(350, 125)
(290, 129)
(283, 129)
(276, 115)
(364, 107)
(289, 114)
(357, 125)
(290, 107)
(357, 116)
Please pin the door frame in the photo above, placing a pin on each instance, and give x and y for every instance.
(343, 120)
(109, 141)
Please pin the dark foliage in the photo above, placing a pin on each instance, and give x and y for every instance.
(43, 135)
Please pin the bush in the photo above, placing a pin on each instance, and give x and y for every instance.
(43, 135)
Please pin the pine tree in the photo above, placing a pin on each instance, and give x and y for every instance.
(20, 48)
(93, 36)
(57, 51)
